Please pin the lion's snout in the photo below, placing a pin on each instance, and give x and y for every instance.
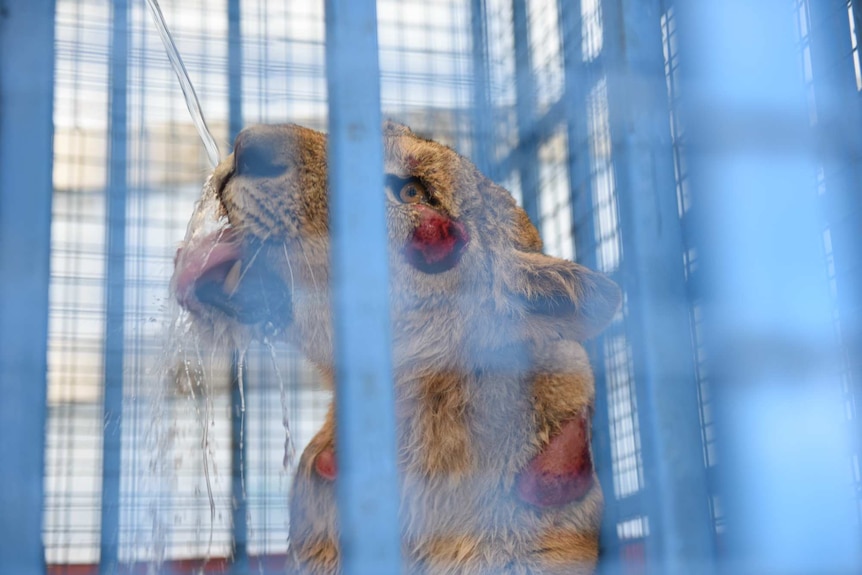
(256, 154)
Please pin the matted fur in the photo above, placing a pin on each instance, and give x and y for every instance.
(486, 359)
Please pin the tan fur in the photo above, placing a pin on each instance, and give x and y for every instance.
(486, 357)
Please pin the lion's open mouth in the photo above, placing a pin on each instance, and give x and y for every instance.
(224, 273)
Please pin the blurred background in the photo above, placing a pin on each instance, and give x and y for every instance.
(707, 158)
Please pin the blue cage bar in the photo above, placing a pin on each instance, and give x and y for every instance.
(26, 104)
(366, 486)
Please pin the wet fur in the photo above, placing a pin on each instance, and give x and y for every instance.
(486, 357)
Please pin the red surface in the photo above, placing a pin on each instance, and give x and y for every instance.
(325, 464)
(437, 242)
(563, 471)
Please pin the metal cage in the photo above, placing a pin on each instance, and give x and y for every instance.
(706, 156)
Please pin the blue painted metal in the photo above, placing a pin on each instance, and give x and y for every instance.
(239, 448)
(483, 126)
(234, 65)
(367, 484)
(115, 287)
(680, 537)
(527, 162)
(838, 132)
(26, 158)
(579, 78)
(238, 468)
(783, 434)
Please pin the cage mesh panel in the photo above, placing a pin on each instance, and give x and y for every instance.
(176, 422)
(625, 438)
(426, 69)
(853, 18)
(555, 211)
(501, 68)
(546, 53)
(592, 33)
(76, 327)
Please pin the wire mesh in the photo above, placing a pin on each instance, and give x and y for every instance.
(176, 421)
(550, 142)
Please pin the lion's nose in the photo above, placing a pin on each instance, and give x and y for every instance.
(257, 155)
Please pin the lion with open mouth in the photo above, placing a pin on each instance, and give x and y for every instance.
(494, 393)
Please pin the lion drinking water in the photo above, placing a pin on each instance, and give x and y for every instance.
(494, 394)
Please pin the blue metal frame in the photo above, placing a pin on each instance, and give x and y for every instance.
(483, 126)
(26, 157)
(839, 136)
(676, 499)
(526, 154)
(782, 431)
(579, 77)
(367, 484)
(239, 444)
(234, 59)
(115, 289)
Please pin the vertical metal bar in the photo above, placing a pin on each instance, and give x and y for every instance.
(238, 462)
(781, 427)
(680, 528)
(239, 455)
(578, 80)
(26, 157)
(838, 119)
(234, 65)
(482, 121)
(367, 484)
(527, 161)
(115, 287)
(857, 19)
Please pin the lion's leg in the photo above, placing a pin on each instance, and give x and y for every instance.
(313, 519)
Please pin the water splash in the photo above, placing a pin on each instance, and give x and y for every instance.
(289, 450)
(240, 372)
(188, 89)
(206, 447)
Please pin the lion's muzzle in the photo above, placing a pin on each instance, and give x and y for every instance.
(221, 273)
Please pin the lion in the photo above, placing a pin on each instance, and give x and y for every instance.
(494, 392)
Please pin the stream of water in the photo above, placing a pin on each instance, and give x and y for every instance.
(205, 222)
(188, 88)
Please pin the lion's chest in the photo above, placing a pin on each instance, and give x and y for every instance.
(457, 426)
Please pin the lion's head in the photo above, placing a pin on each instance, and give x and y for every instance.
(467, 272)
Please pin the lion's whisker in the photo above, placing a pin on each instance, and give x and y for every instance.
(251, 261)
(308, 263)
(289, 267)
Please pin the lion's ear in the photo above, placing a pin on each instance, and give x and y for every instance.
(570, 299)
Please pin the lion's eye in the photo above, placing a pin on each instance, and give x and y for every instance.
(411, 193)
(407, 191)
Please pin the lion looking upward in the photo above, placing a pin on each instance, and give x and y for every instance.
(494, 393)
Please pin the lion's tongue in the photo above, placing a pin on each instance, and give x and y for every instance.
(210, 258)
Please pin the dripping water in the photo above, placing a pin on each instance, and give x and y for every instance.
(205, 220)
(289, 451)
(240, 377)
(188, 88)
(206, 447)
